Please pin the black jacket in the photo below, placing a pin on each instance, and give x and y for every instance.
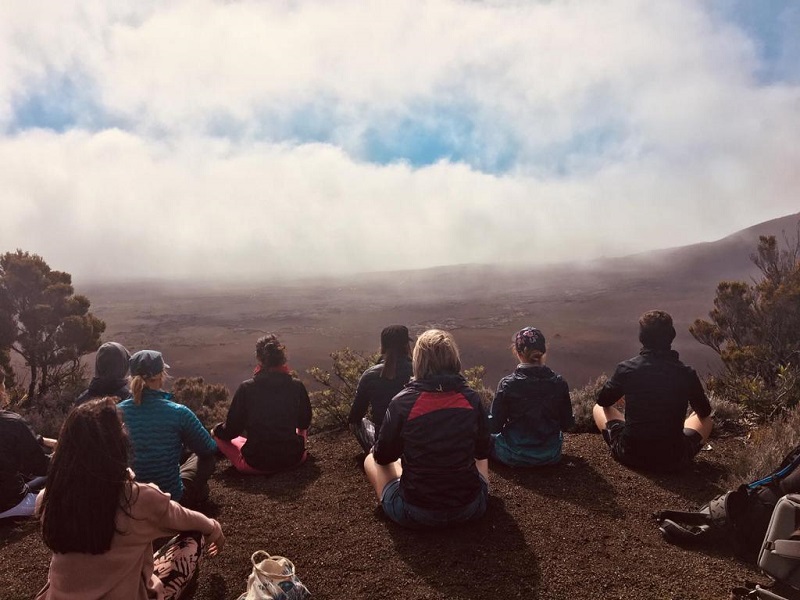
(531, 407)
(268, 409)
(21, 458)
(438, 428)
(375, 392)
(658, 389)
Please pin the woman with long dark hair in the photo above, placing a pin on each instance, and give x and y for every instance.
(100, 523)
(267, 424)
(438, 428)
(380, 383)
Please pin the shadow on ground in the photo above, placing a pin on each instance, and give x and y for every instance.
(485, 559)
(573, 480)
(286, 485)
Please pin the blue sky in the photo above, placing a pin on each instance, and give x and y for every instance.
(341, 122)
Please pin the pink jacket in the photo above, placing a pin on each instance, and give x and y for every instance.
(125, 572)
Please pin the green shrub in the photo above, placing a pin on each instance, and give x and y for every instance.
(331, 405)
(474, 376)
(765, 448)
(583, 401)
(727, 415)
(209, 401)
(47, 413)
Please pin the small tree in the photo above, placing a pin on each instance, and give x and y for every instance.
(755, 328)
(44, 321)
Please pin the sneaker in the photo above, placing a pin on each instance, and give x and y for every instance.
(23, 509)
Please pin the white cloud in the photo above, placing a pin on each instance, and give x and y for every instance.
(627, 125)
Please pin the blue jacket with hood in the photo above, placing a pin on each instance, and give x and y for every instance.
(531, 409)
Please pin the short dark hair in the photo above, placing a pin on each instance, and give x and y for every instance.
(86, 481)
(656, 330)
(270, 352)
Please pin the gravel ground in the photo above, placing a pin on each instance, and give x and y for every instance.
(582, 529)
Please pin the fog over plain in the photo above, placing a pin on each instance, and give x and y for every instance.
(227, 140)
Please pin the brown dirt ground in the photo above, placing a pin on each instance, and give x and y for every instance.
(580, 530)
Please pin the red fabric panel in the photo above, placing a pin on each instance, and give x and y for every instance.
(432, 401)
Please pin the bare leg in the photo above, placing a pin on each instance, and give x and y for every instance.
(380, 475)
(604, 414)
(483, 468)
(703, 425)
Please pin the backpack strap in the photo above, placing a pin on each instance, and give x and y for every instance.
(685, 517)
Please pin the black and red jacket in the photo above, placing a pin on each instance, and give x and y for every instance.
(437, 427)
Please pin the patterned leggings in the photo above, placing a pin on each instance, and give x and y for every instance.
(177, 562)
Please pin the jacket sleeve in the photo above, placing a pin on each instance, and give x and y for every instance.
(361, 401)
(497, 413)
(195, 436)
(236, 420)
(566, 415)
(171, 517)
(483, 442)
(389, 444)
(33, 461)
(304, 412)
(697, 396)
(614, 388)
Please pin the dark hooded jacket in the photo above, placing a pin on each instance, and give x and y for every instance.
(22, 457)
(531, 408)
(375, 391)
(110, 374)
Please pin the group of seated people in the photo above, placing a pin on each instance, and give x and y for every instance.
(130, 463)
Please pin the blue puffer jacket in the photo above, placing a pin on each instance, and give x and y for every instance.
(159, 429)
(530, 411)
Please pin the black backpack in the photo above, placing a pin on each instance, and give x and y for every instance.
(742, 516)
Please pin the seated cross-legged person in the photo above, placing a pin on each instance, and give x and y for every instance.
(274, 411)
(429, 466)
(111, 368)
(24, 460)
(656, 389)
(380, 383)
(162, 432)
(531, 408)
(101, 524)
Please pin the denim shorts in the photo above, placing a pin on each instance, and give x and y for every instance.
(408, 515)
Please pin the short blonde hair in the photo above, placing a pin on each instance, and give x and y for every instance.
(435, 353)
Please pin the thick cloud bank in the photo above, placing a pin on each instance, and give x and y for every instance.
(248, 139)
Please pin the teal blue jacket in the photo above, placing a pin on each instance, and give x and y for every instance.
(159, 429)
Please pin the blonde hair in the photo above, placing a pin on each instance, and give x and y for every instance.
(435, 353)
(138, 383)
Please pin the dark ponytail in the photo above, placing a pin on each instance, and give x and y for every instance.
(270, 352)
